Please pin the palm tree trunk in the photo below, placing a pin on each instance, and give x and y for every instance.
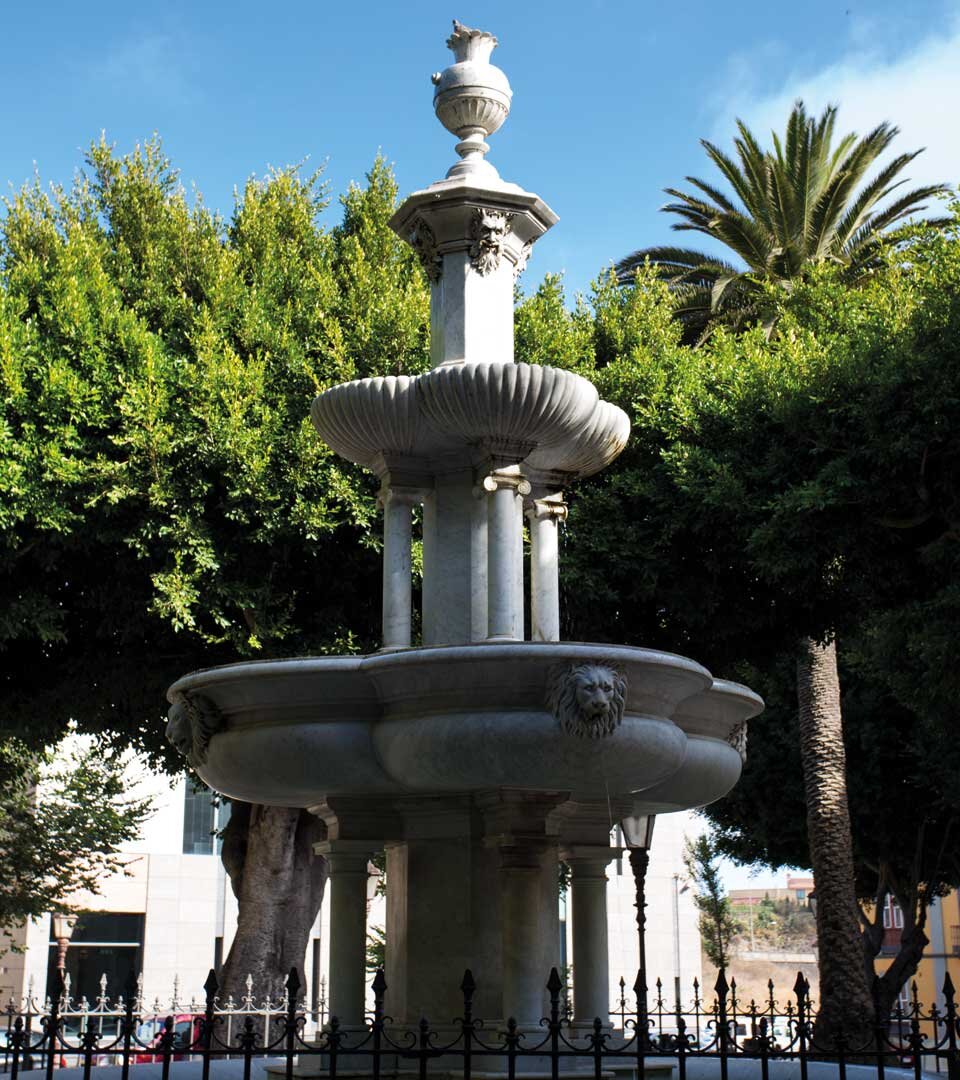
(845, 1000)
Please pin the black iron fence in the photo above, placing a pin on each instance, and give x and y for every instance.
(645, 1032)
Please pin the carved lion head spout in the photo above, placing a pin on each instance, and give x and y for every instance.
(193, 720)
(588, 700)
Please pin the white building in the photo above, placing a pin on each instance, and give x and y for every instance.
(171, 914)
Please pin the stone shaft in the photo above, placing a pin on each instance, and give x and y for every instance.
(348, 944)
(544, 516)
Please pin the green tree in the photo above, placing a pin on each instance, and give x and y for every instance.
(718, 925)
(799, 487)
(165, 503)
(793, 207)
(65, 812)
(799, 207)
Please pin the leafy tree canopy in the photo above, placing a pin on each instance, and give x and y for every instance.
(801, 485)
(164, 501)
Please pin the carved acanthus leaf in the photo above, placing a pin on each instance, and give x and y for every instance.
(424, 243)
(523, 259)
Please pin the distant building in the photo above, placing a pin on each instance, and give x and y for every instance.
(797, 890)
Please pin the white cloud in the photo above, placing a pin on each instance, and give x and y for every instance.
(918, 91)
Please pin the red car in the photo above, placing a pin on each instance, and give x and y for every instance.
(186, 1033)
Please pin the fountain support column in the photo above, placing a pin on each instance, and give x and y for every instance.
(523, 974)
(347, 883)
(398, 503)
(545, 516)
(504, 535)
(588, 895)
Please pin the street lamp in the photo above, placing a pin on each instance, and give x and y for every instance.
(63, 927)
(638, 834)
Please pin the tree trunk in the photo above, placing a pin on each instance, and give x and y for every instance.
(845, 1000)
(278, 882)
(913, 942)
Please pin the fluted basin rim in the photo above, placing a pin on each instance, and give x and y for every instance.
(561, 650)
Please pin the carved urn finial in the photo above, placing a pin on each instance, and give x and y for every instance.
(472, 98)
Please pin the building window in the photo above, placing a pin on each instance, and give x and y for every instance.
(102, 943)
(892, 915)
(205, 815)
(801, 895)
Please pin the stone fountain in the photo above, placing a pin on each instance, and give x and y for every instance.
(478, 758)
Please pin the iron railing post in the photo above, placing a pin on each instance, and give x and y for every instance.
(722, 988)
(290, 1021)
(210, 988)
(127, 1024)
(950, 1013)
(554, 986)
(379, 989)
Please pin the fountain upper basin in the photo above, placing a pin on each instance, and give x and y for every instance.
(460, 718)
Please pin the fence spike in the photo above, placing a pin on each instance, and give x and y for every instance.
(379, 983)
(212, 985)
(293, 983)
(554, 983)
(948, 990)
(721, 986)
(467, 985)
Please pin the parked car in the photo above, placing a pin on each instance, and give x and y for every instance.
(186, 1033)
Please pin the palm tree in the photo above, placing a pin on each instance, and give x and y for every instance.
(792, 207)
(803, 203)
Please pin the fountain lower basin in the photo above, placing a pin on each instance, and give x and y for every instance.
(461, 719)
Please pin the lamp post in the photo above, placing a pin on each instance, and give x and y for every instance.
(63, 927)
(638, 834)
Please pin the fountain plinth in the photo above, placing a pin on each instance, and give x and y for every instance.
(476, 758)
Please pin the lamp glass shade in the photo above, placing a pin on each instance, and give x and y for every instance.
(63, 926)
(638, 830)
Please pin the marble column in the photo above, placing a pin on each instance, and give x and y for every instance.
(347, 883)
(588, 901)
(398, 506)
(504, 613)
(545, 516)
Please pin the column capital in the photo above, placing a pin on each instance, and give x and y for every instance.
(498, 481)
(553, 508)
(401, 494)
(345, 857)
(588, 861)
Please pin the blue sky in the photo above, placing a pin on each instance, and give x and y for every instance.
(610, 99)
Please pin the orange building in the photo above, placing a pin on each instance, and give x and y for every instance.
(941, 956)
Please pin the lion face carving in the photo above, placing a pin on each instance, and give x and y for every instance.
(588, 700)
(193, 720)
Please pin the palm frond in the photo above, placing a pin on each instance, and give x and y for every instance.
(734, 176)
(804, 201)
(878, 188)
